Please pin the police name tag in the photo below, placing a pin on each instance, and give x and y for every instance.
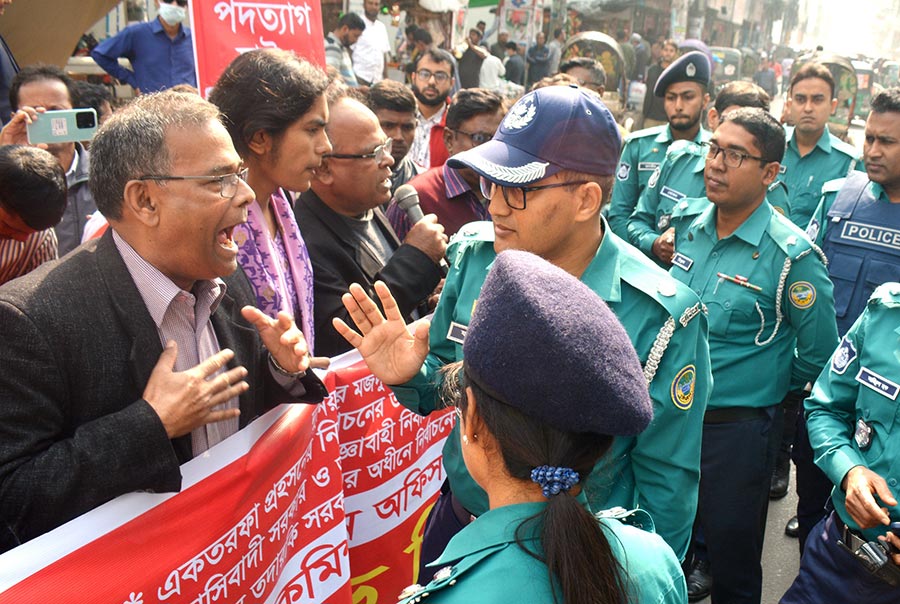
(682, 261)
(648, 165)
(672, 193)
(878, 383)
(457, 333)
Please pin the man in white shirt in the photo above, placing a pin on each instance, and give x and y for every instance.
(369, 53)
(492, 70)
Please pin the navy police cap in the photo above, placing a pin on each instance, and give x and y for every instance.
(689, 67)
(550, 129)
(541, 341)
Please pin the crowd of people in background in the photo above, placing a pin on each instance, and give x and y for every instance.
(713, 293)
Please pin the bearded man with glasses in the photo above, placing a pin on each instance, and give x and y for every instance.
(348, 237)
(161, 51)
(453, 194)
(137, 351)
(548, 172)
(432, 80)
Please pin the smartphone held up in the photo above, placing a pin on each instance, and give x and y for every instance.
(63, 126)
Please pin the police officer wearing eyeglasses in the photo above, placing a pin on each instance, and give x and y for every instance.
(160, 51)
(452, 194)
(768, 295)
(547, 173)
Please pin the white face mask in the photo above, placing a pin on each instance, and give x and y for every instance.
(171, 14)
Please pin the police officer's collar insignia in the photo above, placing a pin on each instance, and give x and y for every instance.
(520, 115)
(802, 294)
(812, 231)
(782, 169)
(653, 178)
(624, 171)
(878, 383)
(443, 574)
(690, 70)
(843, 356)
(683, 387)
(410, 591)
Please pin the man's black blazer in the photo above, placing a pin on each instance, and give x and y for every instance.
(77, 346)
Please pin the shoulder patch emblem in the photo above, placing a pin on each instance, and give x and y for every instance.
(843, 356)
(802, 294)
(623, 171)
(683, 387)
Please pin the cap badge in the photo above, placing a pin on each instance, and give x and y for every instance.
(690, 70)
(520, 115)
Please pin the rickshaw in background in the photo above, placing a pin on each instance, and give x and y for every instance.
(750, 61)
(607, 51)
(845, 89)
(889, 74)
(726, 67)
(865, 87)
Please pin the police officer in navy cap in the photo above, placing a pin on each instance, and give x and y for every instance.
(548, 172)
(683, 86)
(529, 444)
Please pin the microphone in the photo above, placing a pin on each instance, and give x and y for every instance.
(408, 200)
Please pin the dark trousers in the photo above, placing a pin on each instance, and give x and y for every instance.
(813, 486)
(447, 518)
(736, 464)
(829, 573)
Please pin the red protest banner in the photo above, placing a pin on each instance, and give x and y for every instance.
(223, 29)
(310, 503)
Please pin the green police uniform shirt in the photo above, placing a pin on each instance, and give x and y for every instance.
(657, 470)
(679, 177)
(852, 415)
(642, 154)
(483, 563)
(767, 292)
(804, 176)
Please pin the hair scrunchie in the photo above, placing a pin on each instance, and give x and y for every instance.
(554, 480)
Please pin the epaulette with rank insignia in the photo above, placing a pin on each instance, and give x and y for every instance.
(886, 294)
(690, 206)
(644, 133)
(833, 186)
(470, 233)
(790, 239)
(637, 517)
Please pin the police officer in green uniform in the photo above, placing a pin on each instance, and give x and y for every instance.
(680, 177)
(683, 86)
(528, 443)
(853, 420)
(768, 294)
(857, 225)
(813, 155)
(547, 173)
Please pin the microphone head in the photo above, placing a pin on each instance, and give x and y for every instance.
(406, 196)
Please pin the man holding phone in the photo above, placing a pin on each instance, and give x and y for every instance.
(161, 51)
(39, 88)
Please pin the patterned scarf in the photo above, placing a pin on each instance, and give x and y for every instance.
(257, 255)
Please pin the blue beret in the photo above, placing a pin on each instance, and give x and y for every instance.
(541, 341)
(689, 67)
(550, 129)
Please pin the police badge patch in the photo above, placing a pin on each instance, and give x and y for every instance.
(623, 171)
(802, 294)
(843, 356)
(683, 387)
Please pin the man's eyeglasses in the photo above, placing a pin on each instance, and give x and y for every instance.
(228, 183)
(733, 157)
(181, 3)
(378, 154)
(478, 138)
(439, 76)
(515, 196)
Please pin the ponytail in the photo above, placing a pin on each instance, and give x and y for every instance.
(576, 551)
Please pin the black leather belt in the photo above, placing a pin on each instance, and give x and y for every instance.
(727, 415)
